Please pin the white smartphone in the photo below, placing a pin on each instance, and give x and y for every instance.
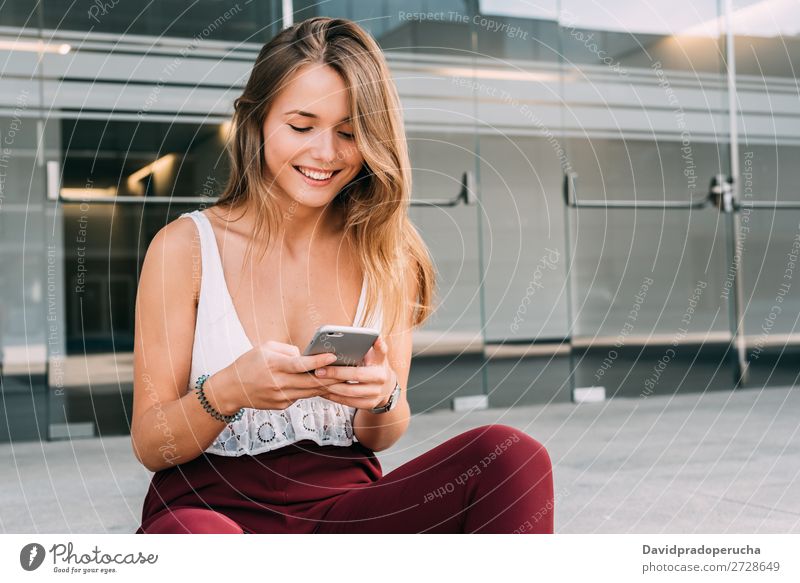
(349, 343)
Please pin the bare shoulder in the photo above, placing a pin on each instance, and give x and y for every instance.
(229, 221)
(175, 253)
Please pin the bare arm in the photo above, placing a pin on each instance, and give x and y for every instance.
(169, 425)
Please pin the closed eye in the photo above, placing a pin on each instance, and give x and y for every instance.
(345, 135)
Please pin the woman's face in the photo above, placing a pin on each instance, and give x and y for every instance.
(308, 140)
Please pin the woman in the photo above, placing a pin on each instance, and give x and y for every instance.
(242, 435)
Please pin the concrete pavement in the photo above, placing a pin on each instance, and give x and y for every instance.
(720, 462)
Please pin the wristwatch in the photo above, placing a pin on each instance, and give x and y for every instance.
(392, 403)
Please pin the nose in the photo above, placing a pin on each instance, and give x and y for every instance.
(323, 148)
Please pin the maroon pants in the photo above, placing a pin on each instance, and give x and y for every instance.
(492, 479)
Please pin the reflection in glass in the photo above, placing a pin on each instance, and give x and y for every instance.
(104, 247)
(20, 13)
(766, 39)
(436, 27)
(631, 18)
(143, 160)
(524, 284)
(547, 10)
(632, 34)
(201, 19)
(644, 170)
(508, 36)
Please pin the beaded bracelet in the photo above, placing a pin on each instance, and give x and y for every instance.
(207, 406)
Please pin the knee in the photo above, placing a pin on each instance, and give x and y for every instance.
(507, 447)
(193, 521)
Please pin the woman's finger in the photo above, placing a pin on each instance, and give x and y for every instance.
(361, 374)
(365, 391)
(377, 353)
(309, 382)
(303, 364)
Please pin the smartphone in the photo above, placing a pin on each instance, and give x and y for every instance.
(349, 343)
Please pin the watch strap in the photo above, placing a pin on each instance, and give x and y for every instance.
(393, 399)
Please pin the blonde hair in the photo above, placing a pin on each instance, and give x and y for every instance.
(375, 203)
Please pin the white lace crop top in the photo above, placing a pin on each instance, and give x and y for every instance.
(219, 339)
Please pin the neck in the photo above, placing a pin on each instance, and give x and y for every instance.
(302, 226)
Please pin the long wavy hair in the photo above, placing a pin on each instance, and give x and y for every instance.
(392, 254)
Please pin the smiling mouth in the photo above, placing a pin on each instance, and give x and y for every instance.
(317, 176)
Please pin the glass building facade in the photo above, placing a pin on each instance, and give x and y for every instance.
(589, 251)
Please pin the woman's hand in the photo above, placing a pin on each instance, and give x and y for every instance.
(271, 376)
(372, 384)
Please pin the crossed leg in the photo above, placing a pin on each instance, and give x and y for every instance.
(492, 479)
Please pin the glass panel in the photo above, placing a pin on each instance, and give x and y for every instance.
(654, 278)
(680, 35)
(104, 243)
(416, 26)
(20, 13)
(525, 269)
(523, 159)
(202, 19)
(767, 54)
(104, 247)
(646, 102)
(517, 30)
(115, 158)
(450, 345)
(29, 308)
(766, 41)
(521, 179)
(612, 169)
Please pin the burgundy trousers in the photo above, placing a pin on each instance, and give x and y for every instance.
(492, 479)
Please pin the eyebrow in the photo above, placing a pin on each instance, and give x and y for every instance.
(311, 115)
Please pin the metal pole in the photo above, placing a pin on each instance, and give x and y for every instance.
(569, 199)
(288, 13)
(737, 326)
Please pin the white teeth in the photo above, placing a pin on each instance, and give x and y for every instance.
(315, 175)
